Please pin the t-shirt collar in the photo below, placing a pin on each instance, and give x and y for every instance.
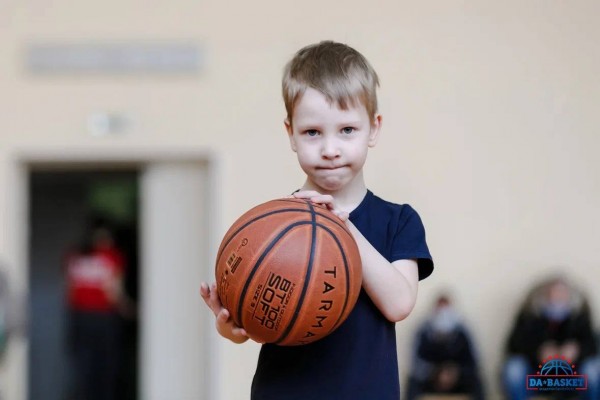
(362, 205)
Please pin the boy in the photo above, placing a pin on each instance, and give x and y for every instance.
(329, 90)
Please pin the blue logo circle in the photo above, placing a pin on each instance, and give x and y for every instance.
(556, 367)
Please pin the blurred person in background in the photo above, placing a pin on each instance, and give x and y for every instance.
(553, 321)
(444, 359)
(94, 273)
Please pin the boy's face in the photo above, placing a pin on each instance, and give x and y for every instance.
(331, 143)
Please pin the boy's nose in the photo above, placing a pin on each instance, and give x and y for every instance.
(330, 150)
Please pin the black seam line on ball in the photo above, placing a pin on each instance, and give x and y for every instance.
(335, 221)
(344, 228)
(347, 275)
(313, 241)
(259, 262)
(294, 200)
(234, 234)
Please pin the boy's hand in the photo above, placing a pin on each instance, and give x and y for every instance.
(225, 325)
(324, 199)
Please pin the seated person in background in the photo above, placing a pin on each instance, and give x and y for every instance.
(444, 360)
(554, 320)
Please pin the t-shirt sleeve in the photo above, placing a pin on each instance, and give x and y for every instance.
(409, 241)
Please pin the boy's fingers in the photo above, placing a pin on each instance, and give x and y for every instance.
(222, 316)
(223, 321)
(211, 297)
(214, 296)
(323, 199)
(239, 331)
(315, 197)
(303, 194)
(204, 292)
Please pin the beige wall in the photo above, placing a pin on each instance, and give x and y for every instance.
(490, 127)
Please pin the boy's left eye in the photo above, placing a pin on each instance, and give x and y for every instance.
(347, 130)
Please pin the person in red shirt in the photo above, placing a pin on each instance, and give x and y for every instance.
(94, 275)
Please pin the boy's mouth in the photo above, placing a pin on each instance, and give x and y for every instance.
(331, 167)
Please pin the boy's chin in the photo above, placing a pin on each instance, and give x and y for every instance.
(329, 185)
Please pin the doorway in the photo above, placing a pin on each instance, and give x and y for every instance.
(62, 205)
(177, 194)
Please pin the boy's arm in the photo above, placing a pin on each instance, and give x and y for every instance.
(391, 286)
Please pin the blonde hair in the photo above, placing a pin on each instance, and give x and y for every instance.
(342, 74)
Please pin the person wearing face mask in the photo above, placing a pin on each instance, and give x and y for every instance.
(554, 321)
(444, 360)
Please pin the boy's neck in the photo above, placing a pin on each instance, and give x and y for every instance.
(346, 198)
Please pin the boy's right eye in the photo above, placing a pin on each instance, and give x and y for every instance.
(311, 132)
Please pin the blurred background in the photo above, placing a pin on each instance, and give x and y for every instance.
(166, 119)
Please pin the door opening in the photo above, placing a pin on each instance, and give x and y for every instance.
(63, 206)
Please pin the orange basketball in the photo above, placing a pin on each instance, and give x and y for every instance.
(289, 272)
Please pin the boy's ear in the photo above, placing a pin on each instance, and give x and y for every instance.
(375, 129)
(290, 132)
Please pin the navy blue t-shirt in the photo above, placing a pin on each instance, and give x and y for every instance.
(357, 361)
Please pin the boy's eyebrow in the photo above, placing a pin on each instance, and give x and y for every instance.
(345, 123)
(307, 124)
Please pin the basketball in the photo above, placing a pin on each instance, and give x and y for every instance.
(289, 272)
